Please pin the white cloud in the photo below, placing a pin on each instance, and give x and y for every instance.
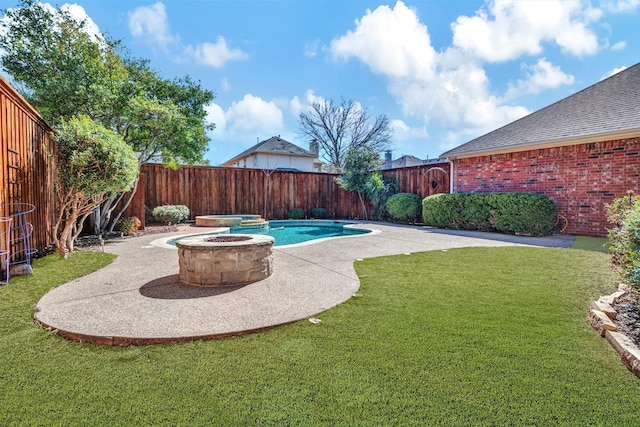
(614, 71)
(543, 75)
(619, 46)
(618, 6)
(508, 29)
(407, 139)
(254, 115)
(225, 85)
(151, 23)
(76, 12)
(216, 54)
(245, 122)
(392, 42)
(80, 15)
(296, 106)
(311, 49)
(216, 115)
(446, 87)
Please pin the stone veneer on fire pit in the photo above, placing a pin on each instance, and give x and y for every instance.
(224, 260)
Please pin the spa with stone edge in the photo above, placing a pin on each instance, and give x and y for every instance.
(225, 260)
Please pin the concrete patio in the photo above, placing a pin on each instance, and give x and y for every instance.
(138, 299)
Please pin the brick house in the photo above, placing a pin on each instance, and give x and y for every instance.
(582, 151)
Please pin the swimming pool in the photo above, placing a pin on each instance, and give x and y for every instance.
(300, 231)
(293, 232)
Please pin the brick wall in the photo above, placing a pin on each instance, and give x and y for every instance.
(580, 179)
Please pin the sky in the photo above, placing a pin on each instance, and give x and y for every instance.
(443, 72)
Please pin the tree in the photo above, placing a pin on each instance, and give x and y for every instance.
(360, 164)
(164, 119)
(92, 163)
(340, 127)
(64, 70)
(379, 189)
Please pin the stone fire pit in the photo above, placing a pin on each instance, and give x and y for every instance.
(225, 259)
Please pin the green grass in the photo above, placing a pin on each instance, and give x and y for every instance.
(598, 244)
(465, 337)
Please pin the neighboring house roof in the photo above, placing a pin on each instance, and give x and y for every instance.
(406, 160)
(273, 145)
(608, 109)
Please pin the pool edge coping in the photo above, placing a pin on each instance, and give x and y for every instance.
(162, 242)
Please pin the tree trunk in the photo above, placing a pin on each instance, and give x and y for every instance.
(132, 193)
(75, 209)
(364, 205)
(65, 243)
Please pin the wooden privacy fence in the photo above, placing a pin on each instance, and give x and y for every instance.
(213, 190)
(28, 173)
(27, 168)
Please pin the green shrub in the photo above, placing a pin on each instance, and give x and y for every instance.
(379, 189)
(520, 213)
(296, 213)
(171, 214)
(318, 213)
(479, 211)
(404, 206)
(443, 211)
(129, 226)
(524, 213)
(148, 215)
(624, 214)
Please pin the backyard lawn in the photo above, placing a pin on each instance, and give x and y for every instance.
(465, 337)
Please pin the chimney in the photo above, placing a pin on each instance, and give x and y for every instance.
(314, 147)
(387, 159)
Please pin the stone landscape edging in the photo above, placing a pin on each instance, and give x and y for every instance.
(602, 318)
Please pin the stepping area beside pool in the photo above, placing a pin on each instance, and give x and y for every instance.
(139, 299)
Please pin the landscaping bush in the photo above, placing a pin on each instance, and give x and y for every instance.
(520, 213)
(296, 213)
(129, 226)
(148, 215)
(171, 214)
(379, 189)
(524, 213)
(624, 214)
(443, 211)
(404, 206)
(318, 213)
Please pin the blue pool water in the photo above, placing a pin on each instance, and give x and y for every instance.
(300, 231)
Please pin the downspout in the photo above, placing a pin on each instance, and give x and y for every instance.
(450, 175)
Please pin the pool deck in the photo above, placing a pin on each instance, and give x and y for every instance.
(138, 299)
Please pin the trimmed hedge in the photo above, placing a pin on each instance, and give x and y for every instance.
(171, 214)
(296, 213)
(404, 206)
(520, 213)
(318, 213)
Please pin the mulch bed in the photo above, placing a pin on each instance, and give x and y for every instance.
(92, 242)
(628, 317)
